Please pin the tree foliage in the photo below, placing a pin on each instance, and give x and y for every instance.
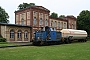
(61, 16)
(83, 21)
(25, 5)
(54, 15)
(3, 16)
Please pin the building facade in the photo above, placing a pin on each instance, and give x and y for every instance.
(15, 33)
(39, 16)
(58, 23)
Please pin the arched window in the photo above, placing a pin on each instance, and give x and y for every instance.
(19, 34)
(65, 26)
(26, 34)
(61, 25)
(55, 24)
(11, 33)
(58, 24)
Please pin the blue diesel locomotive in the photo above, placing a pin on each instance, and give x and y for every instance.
(47, 36)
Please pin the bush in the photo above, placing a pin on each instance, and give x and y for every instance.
(2, 40)
(1, 36)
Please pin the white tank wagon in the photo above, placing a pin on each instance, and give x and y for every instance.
(70, 34)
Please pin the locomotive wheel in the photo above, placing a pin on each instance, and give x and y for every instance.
(78, 40)
(62, 41)
(66, 41)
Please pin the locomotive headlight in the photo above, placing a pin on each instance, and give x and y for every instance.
(38, 38)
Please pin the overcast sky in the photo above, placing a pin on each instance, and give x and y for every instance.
(61, 7)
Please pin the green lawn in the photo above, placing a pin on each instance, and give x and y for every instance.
(74, 51)
(6, 44)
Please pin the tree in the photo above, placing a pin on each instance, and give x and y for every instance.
(3, 16)
(83, 21)
(61, 16)
(25, 5)
(54, 15)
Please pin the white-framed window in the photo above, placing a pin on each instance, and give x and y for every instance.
(34, 13)
(61, 25)
(64, 25)
(74, 26)
(41, 22)
(19, 34)
(69, 26)
(55, 24)
(11, 33)
(51, 23)
(46, 16)
(58, 24)
(22, 21)
(46, 22)
(34, 21)
(22, 15)
(40, 14)
(26, 34)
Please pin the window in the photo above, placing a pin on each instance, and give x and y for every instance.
(46, 16)
(34, 21)
(61, 25)
(34, 13)
(40, 14)
(64, 25)
(69, 26)
(51, 23)
(41, 21)
(55, 24)
(19, 34)
(11, 34)
(58, 24)
(22, 21)
(25, 34)
(74, 26)
(22, 15)
(46, 22)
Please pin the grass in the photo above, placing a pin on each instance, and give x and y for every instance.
(74, 51)
(6, 44)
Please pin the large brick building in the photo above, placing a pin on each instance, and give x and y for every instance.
(38, 16)
(31, 19)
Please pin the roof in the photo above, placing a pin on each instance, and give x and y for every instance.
(62, 19)
(15, 25)
(71, 17)
(37, 7)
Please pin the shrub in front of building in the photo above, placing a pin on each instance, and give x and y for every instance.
(2, 39)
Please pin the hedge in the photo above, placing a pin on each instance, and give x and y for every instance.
(2, 40)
